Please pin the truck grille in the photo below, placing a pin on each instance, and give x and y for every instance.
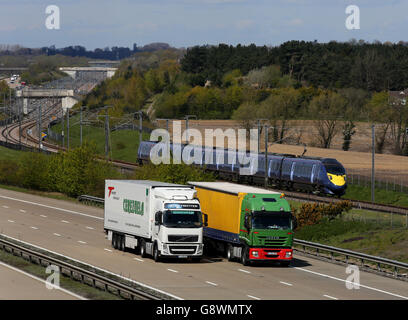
(273, 241)
(181, 238)
(182, 249)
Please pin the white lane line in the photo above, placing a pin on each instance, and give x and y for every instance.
(23, 211)
(54, 208)
(43, 281)
(108, 250)
(90, 228)
(346, 281)
(95, 267)
(286, 283)
(330, 297)
(83, 242)
(42, 216)
(212, 283)
(64, 221)
(11, 221)
(35, 228)
(171, 270)
(138, 259)
(57, 234)
(5, 207)
(252, 297)
(242, 270)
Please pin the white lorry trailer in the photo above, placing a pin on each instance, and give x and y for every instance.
(155, 218)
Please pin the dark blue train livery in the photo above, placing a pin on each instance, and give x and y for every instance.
(311, 174)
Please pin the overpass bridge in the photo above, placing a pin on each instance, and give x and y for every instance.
(97, 73)
(68, 97)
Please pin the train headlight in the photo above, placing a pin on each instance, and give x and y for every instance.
(330, 177)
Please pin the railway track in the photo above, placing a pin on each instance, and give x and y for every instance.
(129, 166)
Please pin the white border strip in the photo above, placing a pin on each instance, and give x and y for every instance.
(43, 281)
(346, 281)
(97, 268)
(50, 207)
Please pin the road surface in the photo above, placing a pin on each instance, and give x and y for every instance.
(76, 231)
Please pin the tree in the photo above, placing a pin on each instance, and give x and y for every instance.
(327, 108)
(278, 108)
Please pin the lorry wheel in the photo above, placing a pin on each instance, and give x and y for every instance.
(122, 243)
(230, 255)
(244, 256)
(114, 241)
(142, 248)
(156, 255)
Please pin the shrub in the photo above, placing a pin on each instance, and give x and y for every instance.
(8, 170)
(312, 213)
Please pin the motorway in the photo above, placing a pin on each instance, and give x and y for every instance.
(76, 231)
(18, 285)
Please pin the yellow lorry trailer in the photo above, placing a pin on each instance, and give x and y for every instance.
(248, 223)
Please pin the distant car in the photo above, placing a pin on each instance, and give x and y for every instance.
(23, 83)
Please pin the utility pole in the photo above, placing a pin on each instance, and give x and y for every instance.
(372, 163)
(187, 129)
(259, 133)
(5, 111)
(107, 135)
(63, 133)
(39, 127)
(67, 129)
(266, 156)
(80, 125)
(19, 121)
(140, 113)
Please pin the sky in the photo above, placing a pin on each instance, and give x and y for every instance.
(184, 23)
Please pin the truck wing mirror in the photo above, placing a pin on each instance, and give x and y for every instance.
(205, 219)
(295, 223)
(158, 218)
(246, 222)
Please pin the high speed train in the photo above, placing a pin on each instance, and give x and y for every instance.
(290, 172)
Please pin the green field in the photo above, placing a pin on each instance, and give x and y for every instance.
(123, 143)
(397, 198)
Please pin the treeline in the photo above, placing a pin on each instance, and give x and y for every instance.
(107, 53)
(368, 66)
(74, 173)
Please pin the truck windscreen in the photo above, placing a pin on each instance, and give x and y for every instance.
(182, 219)
(271, 221)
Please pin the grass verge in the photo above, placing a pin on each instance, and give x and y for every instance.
(391, 197)
(67, 283)
(362, 231)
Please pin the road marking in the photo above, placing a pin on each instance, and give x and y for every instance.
(252, 297)
(138, 259)
(346, 281)
(57, 234)
(43, 281)
(41, 215)
(64, 221)
(242, 270)
(330, 297)
(23, 211)
(35, 228)
(5, 207)
(90, 228)
(11, 221)
(286, 283)
(175, 271)
(54, 208)
(83, 242)
(212, 283)
(108, 250)
(95, 267)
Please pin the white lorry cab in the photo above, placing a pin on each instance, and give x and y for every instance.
(154, 218)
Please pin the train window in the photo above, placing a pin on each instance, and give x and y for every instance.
(334, 167)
